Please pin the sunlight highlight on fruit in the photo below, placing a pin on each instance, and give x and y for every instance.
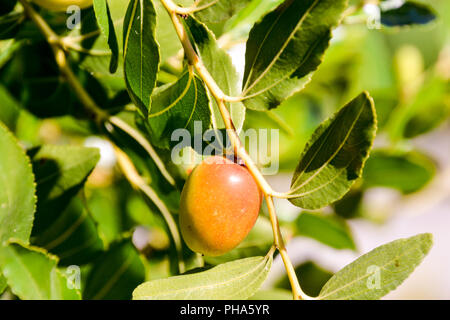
(220, 203)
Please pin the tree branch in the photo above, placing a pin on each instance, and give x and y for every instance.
(218, 95)
(239, 149)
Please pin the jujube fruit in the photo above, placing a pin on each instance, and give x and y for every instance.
(219, 206)
(62, 5)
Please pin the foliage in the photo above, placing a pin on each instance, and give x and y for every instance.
(134, 71)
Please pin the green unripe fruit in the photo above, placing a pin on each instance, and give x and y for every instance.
(219, 206)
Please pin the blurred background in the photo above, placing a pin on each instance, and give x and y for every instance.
(405, 187)
(406, 183)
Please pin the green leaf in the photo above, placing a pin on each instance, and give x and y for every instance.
(10, 109)
(272, 294)
(106, 24)
(429, 108)
(144, 164)
(240, 24)
(257, 243)
(166, 36)
(106, 206)
(8, 48)
(141, 52)
(219, 65)
(425, 121)
(72, 236)
(238, 279)
(60, 173)
(409, 13)
(33, 78)
(7, 6)
(10, 24)
(351, 205)
(32, 274)
(285, 47)
(3, 284)
(115, 274)
(299, 115)
(407, 172)
(381, 270)
(328, 229)
(17, 192)
(334, 156)
(96, 55)
(311, 276)
(219, 10)
(178, 106)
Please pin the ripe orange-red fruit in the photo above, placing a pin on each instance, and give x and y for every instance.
(219, 206)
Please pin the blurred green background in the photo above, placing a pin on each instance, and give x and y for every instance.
(405, 188)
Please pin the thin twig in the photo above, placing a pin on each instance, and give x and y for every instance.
(99, 115)
(297, 292)
(280, 122)
(88, 35)
(145, 144)
(77, 47)
(61, 60)
(139, 183)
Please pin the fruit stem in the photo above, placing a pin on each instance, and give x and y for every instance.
(221, 98)
(90, 105)
(130, 172)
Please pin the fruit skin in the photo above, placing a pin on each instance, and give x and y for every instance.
(219, 206)
(62, 5)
